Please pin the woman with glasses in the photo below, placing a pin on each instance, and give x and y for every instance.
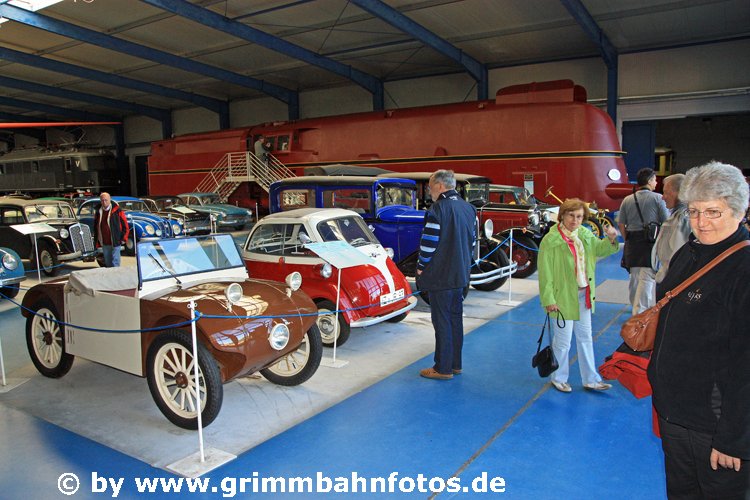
(567, 290)
(700, 366)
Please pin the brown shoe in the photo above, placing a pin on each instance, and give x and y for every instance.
(431, 373)
(457, 371)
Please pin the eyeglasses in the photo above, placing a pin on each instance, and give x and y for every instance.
(711, 213)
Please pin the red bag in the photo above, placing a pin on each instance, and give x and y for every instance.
(629, 367)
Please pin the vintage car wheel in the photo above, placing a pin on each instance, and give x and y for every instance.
(45, 339)
(485, 266)
(129, 247)
(330, 329)
(170, 374)
(525, 253)
(594, 226)
(298, 366)
(48, 260)
(10, 291)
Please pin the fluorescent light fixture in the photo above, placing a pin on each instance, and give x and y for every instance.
(32, 5)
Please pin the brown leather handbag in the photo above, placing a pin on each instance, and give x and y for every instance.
(639, 331)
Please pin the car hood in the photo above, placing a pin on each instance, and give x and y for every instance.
(260, 298)
(400, 213)
(144, 216)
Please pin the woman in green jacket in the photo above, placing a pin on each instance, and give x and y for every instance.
(567, 286)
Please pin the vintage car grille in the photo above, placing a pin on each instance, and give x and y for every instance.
(80, 236)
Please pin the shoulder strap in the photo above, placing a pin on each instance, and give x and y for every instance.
(643, 223)
(692, 279)
(545, 325)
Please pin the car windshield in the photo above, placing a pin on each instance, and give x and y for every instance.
(209, 199)
(177, 257)
(477, 192)
(132, 205)
(41, 213)
(395, 195)
(352, 229)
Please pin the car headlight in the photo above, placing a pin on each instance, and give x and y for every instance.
(294, 281)
(10, 262)
(545, 216)
(233, 293)
(533, 219)
(150, 229)
(176, 229)
(279, 336)
(249, 212)
(64, 233)
(389, 252)
(326, 270)
(489, 228)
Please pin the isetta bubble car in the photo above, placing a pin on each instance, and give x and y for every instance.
(370, 293)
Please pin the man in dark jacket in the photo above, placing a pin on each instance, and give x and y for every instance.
(110, 230)
(443, 270)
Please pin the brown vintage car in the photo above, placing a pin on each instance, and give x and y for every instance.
(117, 317)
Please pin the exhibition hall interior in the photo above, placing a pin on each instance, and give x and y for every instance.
(217, 220)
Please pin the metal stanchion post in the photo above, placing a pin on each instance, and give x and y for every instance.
(191, 306)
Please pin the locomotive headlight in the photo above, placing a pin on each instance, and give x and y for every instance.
(294, 281)
(64, 233)
(489, 228)
(150, 229)
(614, 174)
(10, 262)
(233, 293)
(390, 253)
(533, 219)
(279, 336)
(545, 216)
(176, 229)
(326, 270)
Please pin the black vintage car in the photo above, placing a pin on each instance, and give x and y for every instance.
(172, 207)
(69, 240)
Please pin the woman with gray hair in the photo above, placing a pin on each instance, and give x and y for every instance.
(700, 365)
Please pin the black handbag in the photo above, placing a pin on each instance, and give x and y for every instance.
(544, 360)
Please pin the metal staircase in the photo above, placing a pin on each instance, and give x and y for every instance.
(235, 168)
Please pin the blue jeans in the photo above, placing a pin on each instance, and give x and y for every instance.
(111, 255)
(446, 310)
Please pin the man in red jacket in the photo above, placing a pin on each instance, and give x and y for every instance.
(110, 230)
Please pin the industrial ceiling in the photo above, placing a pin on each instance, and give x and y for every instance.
(106, 59)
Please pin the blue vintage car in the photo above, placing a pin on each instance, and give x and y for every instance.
(226, 216)
(11, 273)
(388, 206)
(147, 225)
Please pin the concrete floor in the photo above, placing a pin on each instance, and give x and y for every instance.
(374, 417)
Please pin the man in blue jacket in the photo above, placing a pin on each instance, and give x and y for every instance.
(443, 270)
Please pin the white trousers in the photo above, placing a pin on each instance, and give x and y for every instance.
(642, 288)
(584, 344)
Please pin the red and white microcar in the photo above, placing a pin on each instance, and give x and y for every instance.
(370, 293)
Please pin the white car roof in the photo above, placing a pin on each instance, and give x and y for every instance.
(311, 215)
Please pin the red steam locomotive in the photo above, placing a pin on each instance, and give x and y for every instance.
(535, 135)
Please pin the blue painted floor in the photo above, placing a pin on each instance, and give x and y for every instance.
(496, 420)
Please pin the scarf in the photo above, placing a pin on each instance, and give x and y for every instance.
(579, 255)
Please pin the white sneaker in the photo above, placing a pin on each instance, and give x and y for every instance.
(562, 386)
(597, 386)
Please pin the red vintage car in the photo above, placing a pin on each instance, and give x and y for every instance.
(370, 293)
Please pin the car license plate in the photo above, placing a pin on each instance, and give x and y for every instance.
(388, 298)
